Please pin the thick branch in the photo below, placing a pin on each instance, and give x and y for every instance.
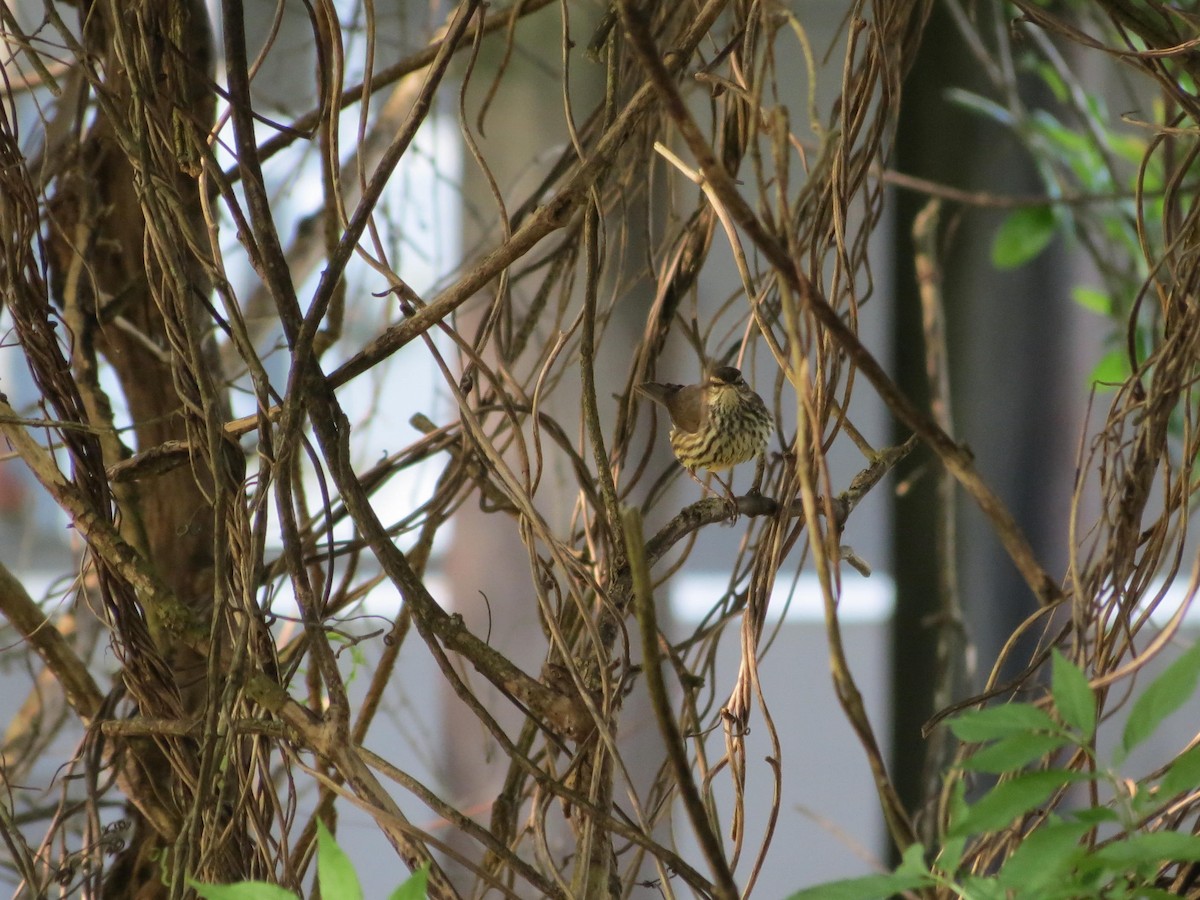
(41, 634)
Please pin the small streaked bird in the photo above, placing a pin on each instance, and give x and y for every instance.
(715, 424)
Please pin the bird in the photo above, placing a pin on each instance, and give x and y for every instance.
(715, 424)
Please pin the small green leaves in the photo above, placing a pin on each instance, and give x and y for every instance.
(1163, 696)
(909, 875)
(1093, 300)
(335, 875)
(1044, 856)
(1022, 236)
(1013, 798)
(414, 887)
(949, 858)
(1057, 852)
(1149, 847)
(1073, 696)
(1001, 721)
(1112, 369)
(868, 887)
(243, 890)
(1014, 752)
(338, 879)
(1182, 775)
(1019, 733)
(983, 105)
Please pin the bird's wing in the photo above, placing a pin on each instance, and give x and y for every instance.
(659, 393)
(688, 409)
(684, 403)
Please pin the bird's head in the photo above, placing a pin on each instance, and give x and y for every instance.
(724, 385)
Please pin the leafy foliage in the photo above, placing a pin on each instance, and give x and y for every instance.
(336, 879)
(1059, 852)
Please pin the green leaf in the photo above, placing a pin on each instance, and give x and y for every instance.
(1095, 815)
(1001, 721)
(1183, 774)
(1093, 300)
(334, 870)
(1073, 695)
(869, 887)
(414, 887)
(1163, 696)
(1012, 799)
(958, 800)
(949, 857)
(1014, 752)
(982, 888)
(912, 861)
(243, 890)
(1044, 855)
(1022, 236)
(1129, 147)
(976, 102)
(1053, 80)
(1069, 141)
(1149, 847)
(1112, 370)
(1067, 146)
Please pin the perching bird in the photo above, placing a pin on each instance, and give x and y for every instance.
(715, 424)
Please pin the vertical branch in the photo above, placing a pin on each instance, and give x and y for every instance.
(952, 668)
(677, 756)
(899, 825)
(587, 370)
(595, 853)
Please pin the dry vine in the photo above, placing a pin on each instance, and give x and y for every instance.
(126, 166)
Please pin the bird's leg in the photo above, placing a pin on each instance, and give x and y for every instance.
(692, 474)
(730, 499)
